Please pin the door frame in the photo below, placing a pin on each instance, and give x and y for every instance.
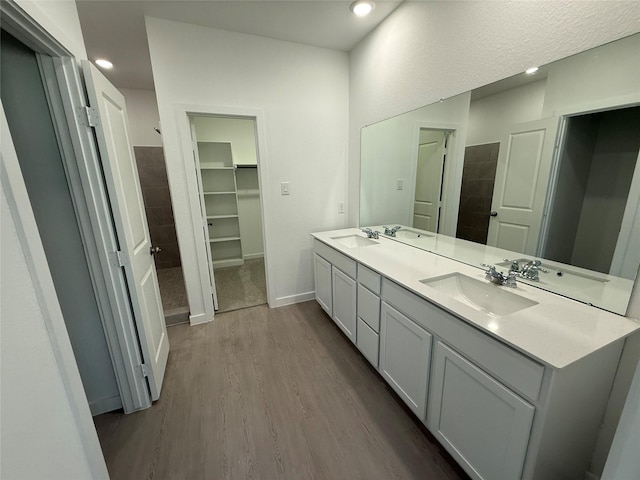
(182, 113)
(67, 99)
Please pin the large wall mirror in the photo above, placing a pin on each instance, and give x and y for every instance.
(541, 166)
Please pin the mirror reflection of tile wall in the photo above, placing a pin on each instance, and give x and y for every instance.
(157, 201)
(478, 177)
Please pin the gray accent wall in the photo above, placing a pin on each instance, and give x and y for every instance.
(27, 112)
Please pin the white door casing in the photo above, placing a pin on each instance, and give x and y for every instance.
(426, 208)
(130, 221)
(519, 194)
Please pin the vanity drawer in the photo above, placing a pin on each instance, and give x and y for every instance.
(337, 259)
(369, 278)
(369, 308)
(368, 342)
(512, 368)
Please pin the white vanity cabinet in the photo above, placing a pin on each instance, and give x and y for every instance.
(405, 355)
(344, 302)
(322, 273)
(501, 411)
(368, 338)
(335, 275)
(483, 424)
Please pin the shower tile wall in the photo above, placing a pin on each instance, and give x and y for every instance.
(478, 177)
(157, 200)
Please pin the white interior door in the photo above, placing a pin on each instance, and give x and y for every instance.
(125, 196)
(203, 212)
(519, 194)
(426, 209)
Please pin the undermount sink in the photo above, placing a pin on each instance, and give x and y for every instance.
(412, 234)
(482, 296)
(354, 241)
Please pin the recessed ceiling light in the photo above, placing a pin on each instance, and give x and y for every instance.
(362, 7)
(101, 62)
(531, 71)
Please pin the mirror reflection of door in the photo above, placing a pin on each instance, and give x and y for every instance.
(431, 158)
(519, 194)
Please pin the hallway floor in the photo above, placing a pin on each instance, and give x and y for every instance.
(271, 394)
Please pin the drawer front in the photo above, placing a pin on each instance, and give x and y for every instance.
(519, 372)
(368, 342)
(369, 278)
(369, 308)
(344, 263)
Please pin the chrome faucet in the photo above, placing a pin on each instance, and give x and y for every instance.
(529, 270)
(371, 233)
(391, 231)
(499, 278)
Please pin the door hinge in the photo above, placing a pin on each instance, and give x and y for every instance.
(119, 258)
(88, 116)
(144, 370)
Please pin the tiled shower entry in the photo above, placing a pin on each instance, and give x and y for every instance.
(157, 201)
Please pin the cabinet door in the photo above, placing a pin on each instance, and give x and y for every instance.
(484, 425)
(405, 352)
(344, 302)
(322, 271)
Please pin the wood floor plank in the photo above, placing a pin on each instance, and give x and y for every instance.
(271, 394)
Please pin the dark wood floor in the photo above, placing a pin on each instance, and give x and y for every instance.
(269, 394)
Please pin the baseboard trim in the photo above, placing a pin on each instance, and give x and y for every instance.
(198, 319)
(104, 405)
(291, 299)
(251, 256)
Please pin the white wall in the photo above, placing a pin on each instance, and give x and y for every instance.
(425, 51)
(60, 19)
(490, 117)
(142, 111)
(303, 92)
(240, 132)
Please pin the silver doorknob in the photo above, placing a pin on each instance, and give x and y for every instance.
(154, 250)
(493, 213)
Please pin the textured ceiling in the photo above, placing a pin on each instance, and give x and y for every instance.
(116, 29)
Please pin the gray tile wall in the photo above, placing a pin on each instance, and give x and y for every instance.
(157, 201)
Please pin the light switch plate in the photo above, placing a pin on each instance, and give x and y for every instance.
(284, 188)
(400, 184)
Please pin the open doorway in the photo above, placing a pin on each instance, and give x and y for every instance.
(595, 195)
(227, 166)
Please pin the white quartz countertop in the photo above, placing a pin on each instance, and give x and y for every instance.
(557, 331)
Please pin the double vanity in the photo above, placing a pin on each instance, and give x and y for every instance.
(513, 382)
